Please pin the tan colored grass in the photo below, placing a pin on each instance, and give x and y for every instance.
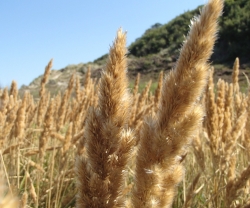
(14, 90)
(136, 85)
(235, 75)
(45, 78)
(131, 156)
(158, 89)
(108, 143)
(23, 202)
(164, 137)
(48, 126)
(7, 199)
(62, 112)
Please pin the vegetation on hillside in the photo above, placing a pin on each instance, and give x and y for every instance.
(234, 34)
(234, 31)
(159, 37)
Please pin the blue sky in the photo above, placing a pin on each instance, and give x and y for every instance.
(71, 32)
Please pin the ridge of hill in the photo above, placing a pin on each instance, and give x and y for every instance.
(233, 36)
(158, 48)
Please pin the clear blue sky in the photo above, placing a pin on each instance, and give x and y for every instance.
(72, 31)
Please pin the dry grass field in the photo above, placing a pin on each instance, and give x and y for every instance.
(104, 145)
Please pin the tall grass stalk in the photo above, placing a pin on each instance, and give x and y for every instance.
(163, 138)
(107, 141)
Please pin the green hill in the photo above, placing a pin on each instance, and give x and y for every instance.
(233, 41)
(234, 34)
(168, 36)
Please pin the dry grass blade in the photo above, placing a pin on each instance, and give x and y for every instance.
(191, 191)
(7, 200)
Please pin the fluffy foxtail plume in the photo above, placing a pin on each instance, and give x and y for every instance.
(100, 169)
(136, 86)
(14, 90)
(163, 138)
(45, 77)
(158, 89)
(42, 93)
(235, 75)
